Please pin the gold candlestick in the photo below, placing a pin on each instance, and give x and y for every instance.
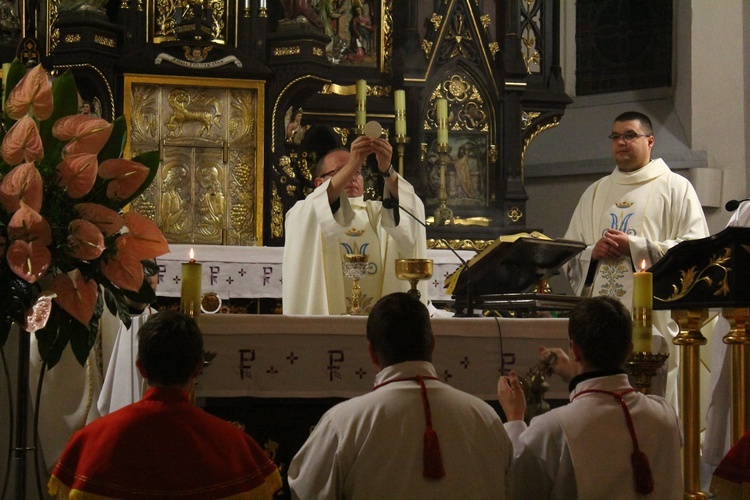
(443, 214)
(643, 367)
(190, 292)
(401, 142)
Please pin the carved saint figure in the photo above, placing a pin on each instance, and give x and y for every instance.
(360, 29)
(173, 203)
(301, 11)
(295, 131)
(211, 203)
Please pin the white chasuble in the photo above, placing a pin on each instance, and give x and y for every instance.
(317, 238)
(657, 209)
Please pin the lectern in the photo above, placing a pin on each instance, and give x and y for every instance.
(692, 277)
(501, 275)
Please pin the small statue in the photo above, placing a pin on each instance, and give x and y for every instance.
(295, 131)
(300, 11)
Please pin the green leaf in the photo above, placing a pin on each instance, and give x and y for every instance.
(65, 97)
(52, 339)
(116, 143)
(117, 306)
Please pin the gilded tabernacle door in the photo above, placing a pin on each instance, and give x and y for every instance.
(209, 134)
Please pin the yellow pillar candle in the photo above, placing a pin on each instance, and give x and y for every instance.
(442, 120)
(190, 293)
(399, 98)
(360, 114)
(643, 299)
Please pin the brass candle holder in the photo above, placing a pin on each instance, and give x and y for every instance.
(414, 270)
(443, 214)
(401, 142)
(642, 366)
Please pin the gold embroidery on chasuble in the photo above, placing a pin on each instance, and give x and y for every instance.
(361, 237)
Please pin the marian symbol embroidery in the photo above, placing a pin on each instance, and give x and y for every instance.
(621, 225)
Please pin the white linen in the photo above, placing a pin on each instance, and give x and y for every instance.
(312, 266)
(326, 356)
(372, 446)
(123, 384)
(583, 449)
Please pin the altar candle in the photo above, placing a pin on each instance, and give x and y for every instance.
(190, 293)
(442, 120)
(643, 298)
(399, 98)
(360, 115)
(262, 4)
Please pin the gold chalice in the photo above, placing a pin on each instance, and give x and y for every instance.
(414, 270)
(355, 267)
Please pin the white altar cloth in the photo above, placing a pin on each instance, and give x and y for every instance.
(255, 272)
(326, 356)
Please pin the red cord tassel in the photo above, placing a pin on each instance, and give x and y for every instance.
(644, 479)
(432, 461)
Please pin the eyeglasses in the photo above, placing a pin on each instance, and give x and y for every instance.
(627, 136)
(358, 173)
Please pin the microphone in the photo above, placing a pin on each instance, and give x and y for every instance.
(393, 203)
(733, 205)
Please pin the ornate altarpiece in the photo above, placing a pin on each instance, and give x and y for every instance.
(496, 62)
(209, 187)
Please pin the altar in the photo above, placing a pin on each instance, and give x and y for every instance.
(275, 356)
(234, 272)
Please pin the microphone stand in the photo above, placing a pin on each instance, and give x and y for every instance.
(391, 203)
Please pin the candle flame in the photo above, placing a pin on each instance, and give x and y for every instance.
(192, 254)
(643, 265)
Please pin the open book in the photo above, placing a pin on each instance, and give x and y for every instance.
(513, 263)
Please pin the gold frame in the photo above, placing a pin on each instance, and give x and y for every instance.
(132, 80)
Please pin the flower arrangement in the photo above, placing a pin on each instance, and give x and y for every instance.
(63, 235)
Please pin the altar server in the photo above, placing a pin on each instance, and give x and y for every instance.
(413, 436)
(123, 383)
(610, 441)
(334, 220)
(164, 446)
(630, 217)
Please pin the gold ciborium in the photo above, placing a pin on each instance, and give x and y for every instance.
(414, 270)
(355, 267)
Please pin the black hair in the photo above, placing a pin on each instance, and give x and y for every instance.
(170, 347)
(603, 329)
(399, 329)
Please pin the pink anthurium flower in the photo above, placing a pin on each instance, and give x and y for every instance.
(27, 225)
(124, 269)
(127, 176)
(22, 184)
(107, 220)
(86, 134)
(77, 296)
(86, 242)
(22, 142)
(34, 89)
(77, 173)
(144, 237)
(29, 260)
